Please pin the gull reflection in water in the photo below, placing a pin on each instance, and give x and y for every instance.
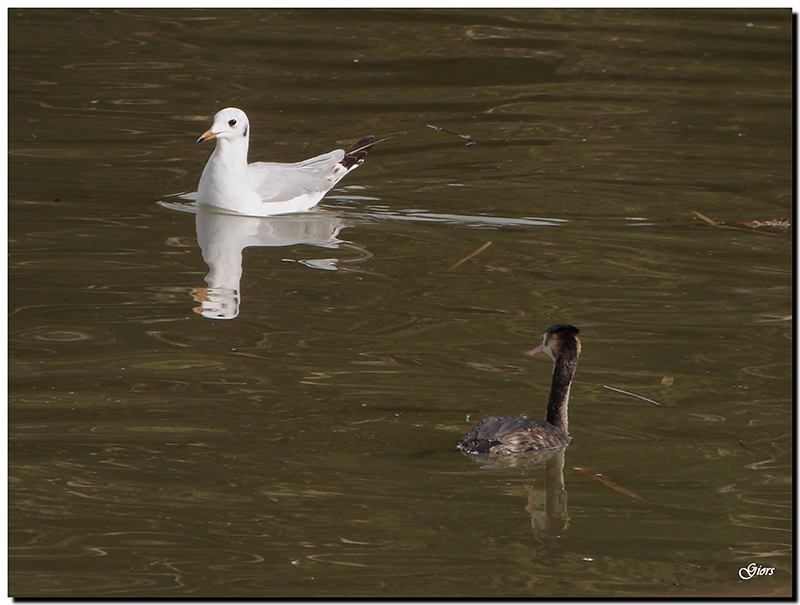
(223, 236)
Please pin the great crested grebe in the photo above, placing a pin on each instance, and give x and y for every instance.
(516, 434)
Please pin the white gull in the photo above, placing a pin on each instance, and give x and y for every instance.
(267, 188)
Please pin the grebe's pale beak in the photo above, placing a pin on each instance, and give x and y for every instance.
(537, 351)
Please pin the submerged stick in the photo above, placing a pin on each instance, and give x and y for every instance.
(605, 386)
(466, 258)
(608, 483)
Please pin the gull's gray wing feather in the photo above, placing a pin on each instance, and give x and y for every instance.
(279, 182)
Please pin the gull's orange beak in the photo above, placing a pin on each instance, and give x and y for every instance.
(537, 351)
(205, 136)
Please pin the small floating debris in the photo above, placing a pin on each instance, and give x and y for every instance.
(469, 256)
(463, 136)
(608, 482)
(779, 223)
(605, 386)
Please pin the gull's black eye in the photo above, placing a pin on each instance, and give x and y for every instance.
(232, 123)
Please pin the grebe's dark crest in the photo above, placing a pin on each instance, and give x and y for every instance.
(515, 434)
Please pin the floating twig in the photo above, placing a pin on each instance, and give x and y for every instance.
(608, 483)
(714, 223)
(605, 386)
(466, 258)
(711, 222)
(463, 136)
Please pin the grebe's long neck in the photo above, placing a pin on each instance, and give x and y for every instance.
(564, 368)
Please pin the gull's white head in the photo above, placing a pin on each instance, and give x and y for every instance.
(230, 123)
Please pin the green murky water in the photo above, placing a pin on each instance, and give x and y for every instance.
(306, 447)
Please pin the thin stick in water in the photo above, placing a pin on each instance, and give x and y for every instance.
(466, 258)
(608, 482)
(714, 223)
(463, 136)
(605, 386)
(711, 222)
